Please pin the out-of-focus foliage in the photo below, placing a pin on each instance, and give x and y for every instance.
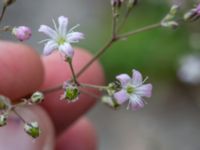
(154, 52)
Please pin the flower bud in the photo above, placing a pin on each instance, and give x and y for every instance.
(168, 20)
(193, 14)
(170, 24)
(22, 33)
(37, 97)
(116, 3)
(112, 88)
(172, 13)
(190, 15)
(8, 2)
(3, 120)
(71, 92)
(108, 100)
(5, 103)
(32, 129)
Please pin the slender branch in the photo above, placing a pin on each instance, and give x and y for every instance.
(89, 94)
(114, 23)
(84, 85)
(3, 12)
(124, 19)
(73, 72)
(96, 56)
(20, 117)
(146, 28)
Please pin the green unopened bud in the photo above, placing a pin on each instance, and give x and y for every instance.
(8, 2)
(112, 88)
(172, 14)
(108, 100)
(37, 97)
(3, 120)
(170, 24)
(132, 3)
(32, 129)
(4, 103)
(71, 93)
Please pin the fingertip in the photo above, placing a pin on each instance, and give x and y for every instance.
(21, 69)
(80, 136)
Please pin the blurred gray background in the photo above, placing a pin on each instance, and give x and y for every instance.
(171, 119)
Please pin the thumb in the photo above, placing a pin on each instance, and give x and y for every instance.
(13, 136)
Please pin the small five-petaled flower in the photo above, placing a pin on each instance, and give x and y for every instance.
(60, 38)
(133, 89)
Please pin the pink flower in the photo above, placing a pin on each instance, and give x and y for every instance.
(22, 33)
(60, 38)
(133, 90)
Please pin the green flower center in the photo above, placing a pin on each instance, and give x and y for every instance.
(130, 89)
(61, 41)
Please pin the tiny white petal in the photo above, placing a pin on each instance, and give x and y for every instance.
(144, 90)
(63, 23)
(124, 79)
(67, 49)
(136, 77)
(49, 47)
(75, 37)
(48, 31)
(121, 96)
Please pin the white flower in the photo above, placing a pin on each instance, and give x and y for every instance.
(133, 90)
(60, 38)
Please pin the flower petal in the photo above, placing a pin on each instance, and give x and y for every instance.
(136, 77)
(63, 22)
(124, 79)
(136, 102)
(75, 37)
(121, 96)
(67, 50)
(49, 47)
(144, 90)
(48, 31)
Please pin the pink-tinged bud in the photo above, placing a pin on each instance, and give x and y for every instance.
(116, 3)
(22, 33)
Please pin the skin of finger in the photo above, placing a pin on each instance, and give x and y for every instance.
(13, 136)
(21, 70)
(57, 71)
(80, 136)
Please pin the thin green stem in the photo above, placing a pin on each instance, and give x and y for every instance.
(73, 72)
(124, 19)
(114, 23)
(3, 12)
(89, 94)
(96, 56)
(146, 28)
(20, 117)
(84, 85)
